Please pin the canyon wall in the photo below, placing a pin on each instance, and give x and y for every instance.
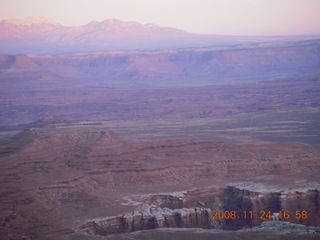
(210, 208)
(159, 84)
(173, 67)
(64, 176)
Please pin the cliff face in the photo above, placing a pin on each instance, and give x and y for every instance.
(179, 210)
(308, 201)
(174, 67)
(76, 173)
(151, 218)
(159, 84)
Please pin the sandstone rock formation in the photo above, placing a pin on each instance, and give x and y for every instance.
(52, 180)
(180, 211)
(162, 84)
(173, 67)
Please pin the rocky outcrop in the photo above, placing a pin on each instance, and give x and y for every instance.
(251, 207)
(308, 201)
(78, 173)
(151, 218)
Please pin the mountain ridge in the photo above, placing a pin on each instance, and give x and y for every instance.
(45, 36)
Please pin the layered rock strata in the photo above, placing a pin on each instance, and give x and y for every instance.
(151, 218)
(61, 176)
(210, 208)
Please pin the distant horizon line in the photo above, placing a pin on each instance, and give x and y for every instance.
(52, 21)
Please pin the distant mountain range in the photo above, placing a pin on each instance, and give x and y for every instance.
(45, 36)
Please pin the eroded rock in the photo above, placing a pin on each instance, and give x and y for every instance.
(251, 208)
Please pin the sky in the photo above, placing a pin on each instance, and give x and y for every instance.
(225, 17)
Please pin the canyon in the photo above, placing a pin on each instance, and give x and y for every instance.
(170, 135)
(167, 67)
(55, 180)
(183, 83)
(200, 208)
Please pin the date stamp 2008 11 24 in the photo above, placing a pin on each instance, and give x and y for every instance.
(281, 215)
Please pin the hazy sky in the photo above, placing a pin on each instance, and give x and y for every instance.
(231, 17)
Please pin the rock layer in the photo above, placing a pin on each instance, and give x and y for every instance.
(57, 177)
(179, 210)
